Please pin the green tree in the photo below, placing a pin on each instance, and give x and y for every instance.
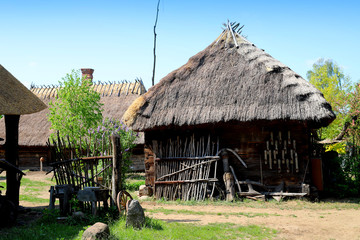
(76, 109)
(353, 119)
(110, 127)
(329, 78)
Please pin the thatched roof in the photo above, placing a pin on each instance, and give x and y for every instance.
(231, 80)
(34, 129)
(15, 98)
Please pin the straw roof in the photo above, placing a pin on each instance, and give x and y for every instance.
(15, 98)
(34, 129)
(231, 80)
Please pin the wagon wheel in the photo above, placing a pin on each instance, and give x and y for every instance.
(121, 200)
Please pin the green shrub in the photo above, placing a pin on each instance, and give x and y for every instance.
(134, 186)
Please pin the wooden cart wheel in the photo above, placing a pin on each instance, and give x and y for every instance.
(121, 200)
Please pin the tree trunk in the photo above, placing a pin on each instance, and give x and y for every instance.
(12, 156)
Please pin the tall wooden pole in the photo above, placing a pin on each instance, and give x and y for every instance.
(156, 20)
(117, 165)
(12, 156)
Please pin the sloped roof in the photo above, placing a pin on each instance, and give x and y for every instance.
(15, 98)
(34, 129)
(231, 80)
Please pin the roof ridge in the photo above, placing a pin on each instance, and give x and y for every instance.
(106, 89)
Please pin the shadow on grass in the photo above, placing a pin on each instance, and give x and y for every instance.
(38, 223)
(180, 220)
(153, 224)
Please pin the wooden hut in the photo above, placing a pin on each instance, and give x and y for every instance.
(232, 95)
(35, 130)
(15, 100)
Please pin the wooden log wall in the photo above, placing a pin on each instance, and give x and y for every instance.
(29, 157)
(274, 153)
(249, 141)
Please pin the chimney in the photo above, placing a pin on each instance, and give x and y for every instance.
(87, 73)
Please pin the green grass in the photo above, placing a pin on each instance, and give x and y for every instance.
(31, 190)
(41, 232)
(156, 229)
(33, 199)
(47, 228)
(134, 181)
(27, 182)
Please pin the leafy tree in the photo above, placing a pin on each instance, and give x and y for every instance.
(329, 78)
(103, 132)
(353, 120)
(76, 109)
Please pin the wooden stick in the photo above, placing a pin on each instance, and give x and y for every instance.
(236, 180)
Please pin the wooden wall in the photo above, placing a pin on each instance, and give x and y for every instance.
(29, 157)
(137, 159)
(249, 140)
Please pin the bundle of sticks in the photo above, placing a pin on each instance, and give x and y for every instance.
(183, 167)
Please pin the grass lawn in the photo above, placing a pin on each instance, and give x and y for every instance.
(47, 228)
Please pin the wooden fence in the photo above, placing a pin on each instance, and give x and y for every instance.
(183, 168)
(91, 166)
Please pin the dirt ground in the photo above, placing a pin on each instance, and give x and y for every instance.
(291, 224)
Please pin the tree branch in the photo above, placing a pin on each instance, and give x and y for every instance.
(157, 14)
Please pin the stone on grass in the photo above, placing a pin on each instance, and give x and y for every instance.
(97, 231)
(135, 215)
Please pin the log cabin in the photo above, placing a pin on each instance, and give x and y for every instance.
(233, 96)
(34, 129)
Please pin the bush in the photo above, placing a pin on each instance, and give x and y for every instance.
(345, 177)
(134, 186)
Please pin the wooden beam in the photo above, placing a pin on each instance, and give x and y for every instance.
(187, 181)
(12, 156)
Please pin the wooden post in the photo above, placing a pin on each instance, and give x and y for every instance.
(117, 165)
(12, 156)
(228, 178)
(42, 159)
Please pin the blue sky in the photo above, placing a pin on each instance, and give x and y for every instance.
(41, 41)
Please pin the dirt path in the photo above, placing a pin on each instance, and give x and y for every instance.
(42, 192)
(291, 224)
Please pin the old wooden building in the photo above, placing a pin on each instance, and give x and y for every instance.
(236, 97)
(15, 101)
(34, 129)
